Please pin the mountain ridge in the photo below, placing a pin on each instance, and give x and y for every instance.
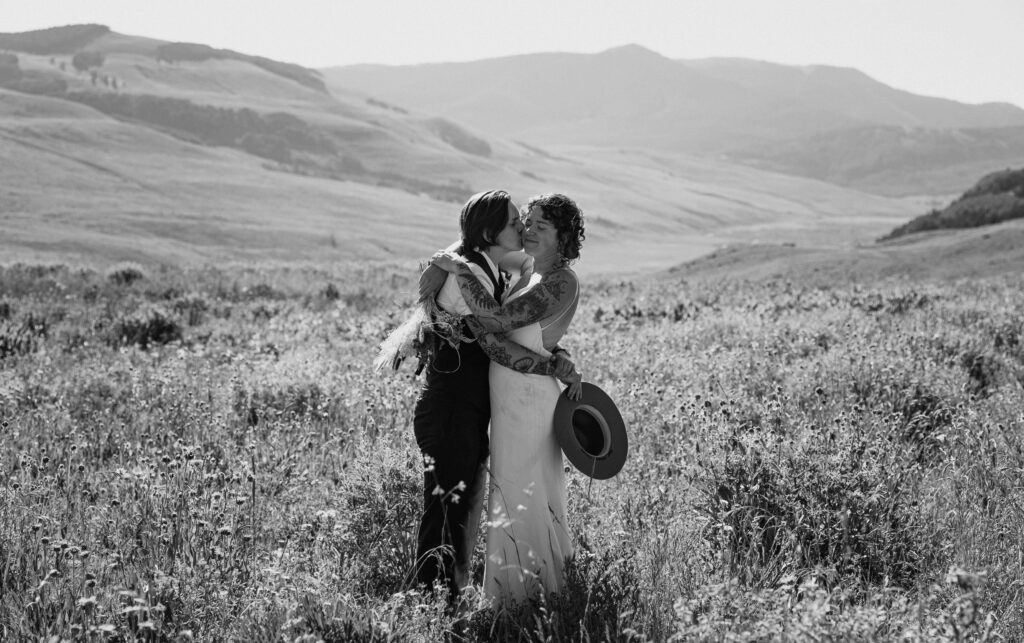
(633, 97)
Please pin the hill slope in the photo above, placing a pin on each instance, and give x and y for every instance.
(939, 254)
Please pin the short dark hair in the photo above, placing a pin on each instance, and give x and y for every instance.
(567, 219)
(483, 218)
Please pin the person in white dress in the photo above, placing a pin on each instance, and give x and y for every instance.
(528, 539)
(452, 411)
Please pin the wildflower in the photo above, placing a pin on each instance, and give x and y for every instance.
(87, 603)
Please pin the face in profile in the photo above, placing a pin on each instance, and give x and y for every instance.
(540, 238)
(511, 238)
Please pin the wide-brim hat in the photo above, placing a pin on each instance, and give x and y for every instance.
(591, 432)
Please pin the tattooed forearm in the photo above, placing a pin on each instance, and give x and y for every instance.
(512, 355)
(523, 364)
(553, 294)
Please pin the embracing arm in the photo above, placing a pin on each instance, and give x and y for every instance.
(510, 354)
(519, 358)
(553, 293)
(432, 278)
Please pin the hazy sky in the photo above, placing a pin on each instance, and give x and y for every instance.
(968, 50)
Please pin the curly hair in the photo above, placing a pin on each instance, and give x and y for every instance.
(567, 218)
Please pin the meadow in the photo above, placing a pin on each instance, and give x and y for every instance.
(206, 454)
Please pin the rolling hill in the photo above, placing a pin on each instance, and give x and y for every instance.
(179, 152)
(935, 255)
(796, 120)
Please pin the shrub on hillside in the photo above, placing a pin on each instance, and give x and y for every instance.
(24, 337)
(997, 197)
(125, 274)
(85, 60)
(146, 327)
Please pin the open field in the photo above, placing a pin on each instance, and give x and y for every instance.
(205, 454)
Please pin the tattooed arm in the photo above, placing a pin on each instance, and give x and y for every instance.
(516, 356)
(552, 294)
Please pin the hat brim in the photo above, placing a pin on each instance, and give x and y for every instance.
(607, 460)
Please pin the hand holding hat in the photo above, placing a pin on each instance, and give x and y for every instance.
(566, 372)
(591, 432)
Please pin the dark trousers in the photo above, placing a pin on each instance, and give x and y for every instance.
(451, 419)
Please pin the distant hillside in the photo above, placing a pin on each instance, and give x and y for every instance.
(941, 254)
(95, 76)
(825, 89)
(184, 51)
(55, 40)
(893, 160)
(835, 124)
(997, 197)
(75, 38)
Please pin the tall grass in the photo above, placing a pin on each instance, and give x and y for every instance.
(205, 454)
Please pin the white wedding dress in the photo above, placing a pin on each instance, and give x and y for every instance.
(528, 540)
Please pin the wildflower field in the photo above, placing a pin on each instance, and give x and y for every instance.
(206, 454)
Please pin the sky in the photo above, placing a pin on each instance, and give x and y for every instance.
(966, 50)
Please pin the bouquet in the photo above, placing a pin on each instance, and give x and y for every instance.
(420, 334)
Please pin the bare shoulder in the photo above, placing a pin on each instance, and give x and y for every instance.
(561, 283)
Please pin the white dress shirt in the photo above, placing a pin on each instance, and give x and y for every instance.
(450, 297)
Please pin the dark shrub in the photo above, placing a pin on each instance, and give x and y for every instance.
(982, 369)
(23, 338)
(145, 328)
(85, 60)
(125, 274)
